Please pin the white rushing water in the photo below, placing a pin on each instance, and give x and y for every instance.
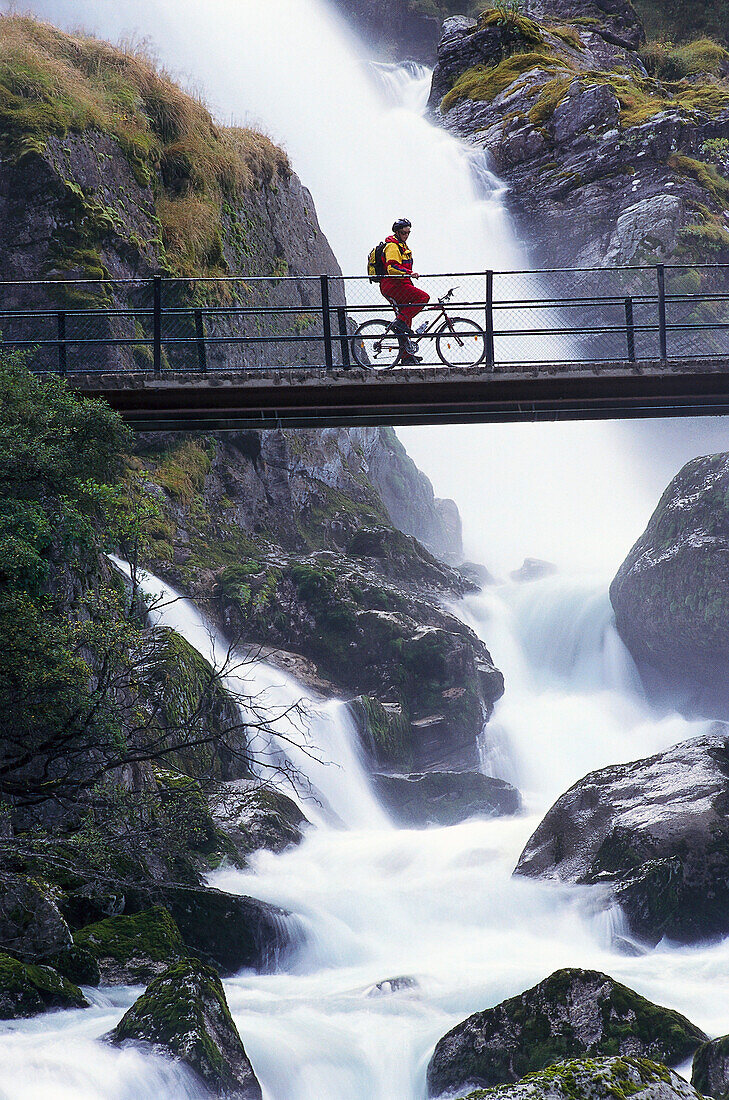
(438, 905)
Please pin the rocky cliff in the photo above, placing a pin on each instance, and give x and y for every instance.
(614, 153)
(401, 30)
(671, 594)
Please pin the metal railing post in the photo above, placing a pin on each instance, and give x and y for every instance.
(630, 329)
(326, 322)
(157, 323)
(344, 336)
(490, 353)
(661, 277)
(62, 360)
(202, 357)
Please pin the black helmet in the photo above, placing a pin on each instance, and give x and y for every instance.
(401, 223)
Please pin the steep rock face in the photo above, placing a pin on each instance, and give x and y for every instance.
(598, 1078)
(445, 798)
(570, 1014)
(654, 832)
(184, 1013)
(671, 594)
(108, 170)
(290, 532)
(710, 1069)
(606, 164)
(398, 30)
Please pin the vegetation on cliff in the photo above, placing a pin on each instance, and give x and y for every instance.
(52, 83)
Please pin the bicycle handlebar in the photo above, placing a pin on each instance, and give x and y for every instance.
(447, 297)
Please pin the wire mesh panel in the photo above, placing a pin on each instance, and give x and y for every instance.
(237, 323)
(80, 325)
(697, 312)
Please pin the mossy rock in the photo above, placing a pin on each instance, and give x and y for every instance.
(27, 989)
(133, 949)
(571, 1013)
(78, 965)
(256, 816)
(184, 1014)
(385, 732)
(595, 1079)
(710, 1069)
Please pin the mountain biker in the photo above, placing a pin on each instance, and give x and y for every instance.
(397, 287)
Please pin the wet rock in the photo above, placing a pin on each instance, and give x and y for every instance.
(445, 798)
(184, 1014)
(255, 816)
(228, 931)
(600, 1079)
(76, 964)
(403, 984)
(653, 833)
(671, 594)
(710, 1069)
(569, 1014)
(27, 989)
(477, 573)
(131, 950)
(31, 924)
(533, 569)
(604, 165)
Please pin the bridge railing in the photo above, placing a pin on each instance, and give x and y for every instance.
(585, 317)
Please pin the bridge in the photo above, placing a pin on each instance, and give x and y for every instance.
(296, 351)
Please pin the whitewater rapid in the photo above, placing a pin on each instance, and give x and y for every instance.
(438, 905)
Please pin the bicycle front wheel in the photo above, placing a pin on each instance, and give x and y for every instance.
(375, 346)
(462, 344)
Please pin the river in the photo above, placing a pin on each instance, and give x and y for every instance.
(377, 902)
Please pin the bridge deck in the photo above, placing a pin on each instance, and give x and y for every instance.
(315, 396)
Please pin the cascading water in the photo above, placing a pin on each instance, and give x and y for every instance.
(438, 905)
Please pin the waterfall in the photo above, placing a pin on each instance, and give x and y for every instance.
(293, 67)
(311, 737)
(438, 905)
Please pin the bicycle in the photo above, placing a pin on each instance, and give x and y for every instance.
(458, 340)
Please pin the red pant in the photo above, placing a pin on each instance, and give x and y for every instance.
(409, 298)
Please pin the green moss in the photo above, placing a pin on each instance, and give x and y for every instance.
(172, 1013)
(391, 734)
(183, 470)
(150, 935)
(26, 989)
(668, 61)
(550, 96)
(485, 83)
(705, 174)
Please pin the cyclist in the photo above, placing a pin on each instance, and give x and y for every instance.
(397, 286)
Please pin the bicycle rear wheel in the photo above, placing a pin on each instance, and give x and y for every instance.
(375, 346)
(462, 344)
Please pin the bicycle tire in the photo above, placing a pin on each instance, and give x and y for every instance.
(462, 344)
(374, 346)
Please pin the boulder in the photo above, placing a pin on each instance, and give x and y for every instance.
(31, 924)
(654, 832)
(599, 1079)
(403, 984)
(445, 798)
(671, 594)
(533, 569)
(131, 950)
(26, 989)
(228, 931)
(77, 965)
(710, 1070)
(184, 1014)
(254, 815)
(570, 1014)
